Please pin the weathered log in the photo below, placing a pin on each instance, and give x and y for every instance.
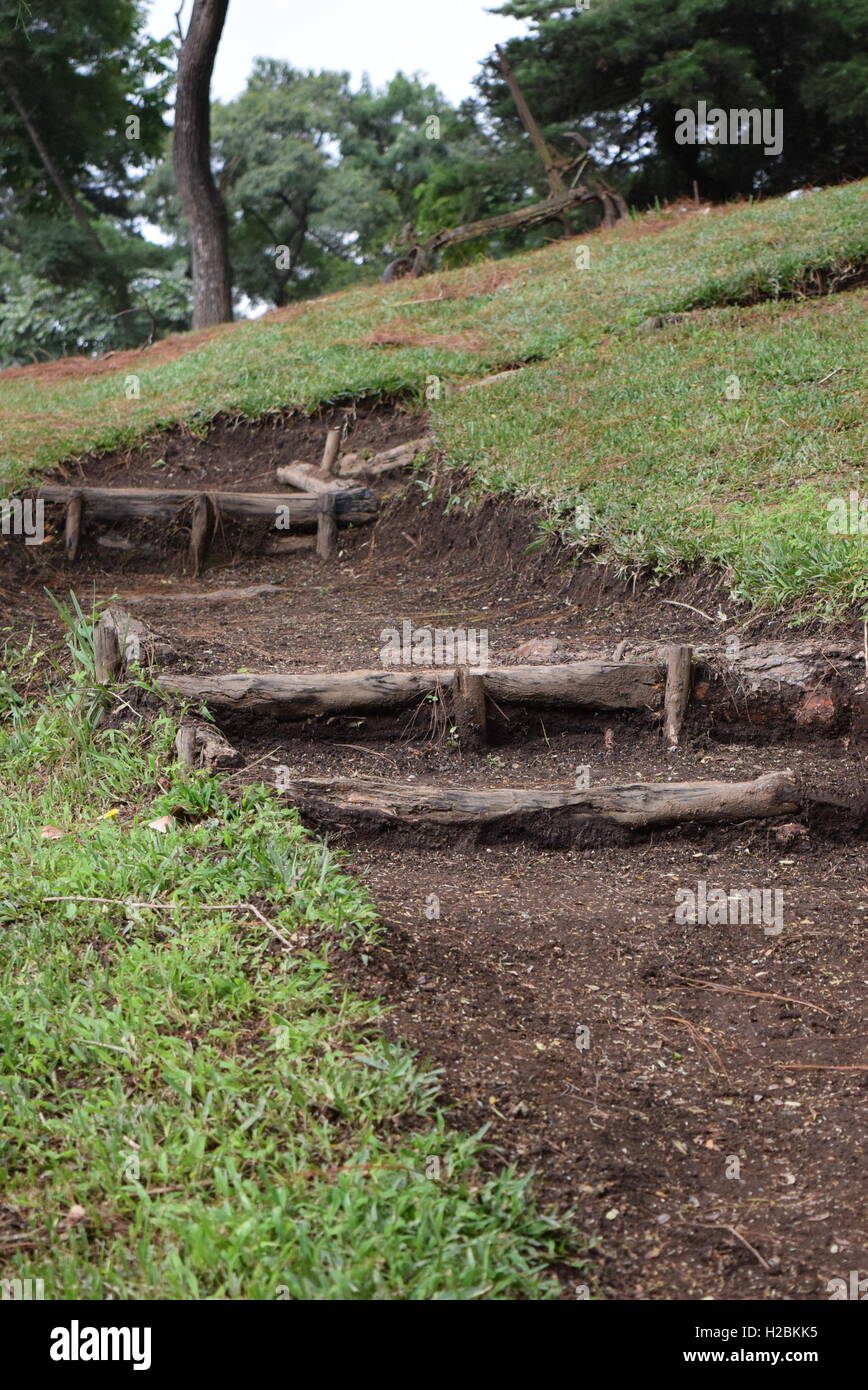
(468, 708)
(200, 744)
(387, 461)
(327, 530)
(108, 661)
(300, 696)
(138, 644)
(72, 526)
(352, 505)
(207, 595)
(372, 803)
(592, 684)
(305, 478)
(678, 680)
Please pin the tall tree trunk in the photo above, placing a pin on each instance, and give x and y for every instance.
(191, 156)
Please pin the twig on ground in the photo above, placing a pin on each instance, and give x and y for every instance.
(674, 604)
(754, 993)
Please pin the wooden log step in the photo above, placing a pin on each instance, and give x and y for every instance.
(352, 505)
(561, 813)
(299, 697)
(593, 684)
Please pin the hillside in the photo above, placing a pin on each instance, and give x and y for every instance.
(609, 412)
(295, 1023)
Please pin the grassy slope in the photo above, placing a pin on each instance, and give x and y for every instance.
(633, 420)
(227, 1121)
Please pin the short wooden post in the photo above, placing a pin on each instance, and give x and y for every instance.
(200, 533)
(108, 662)
(327, 528)
(329, 466)
(185, 745)
(679, 672)
(72, 526)
(468, 708)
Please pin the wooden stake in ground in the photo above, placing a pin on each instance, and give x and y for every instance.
(199, 744)
(327, 529)
(72, 526)
(679, 669)
(200, 533)
(108, 660)
(329, 466)
(139, 645)
(468, 708)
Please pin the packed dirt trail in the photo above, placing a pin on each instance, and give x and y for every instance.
(695, 1093)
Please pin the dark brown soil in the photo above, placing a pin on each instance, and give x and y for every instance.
(711, 1136)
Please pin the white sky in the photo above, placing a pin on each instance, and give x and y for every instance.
(444, 39)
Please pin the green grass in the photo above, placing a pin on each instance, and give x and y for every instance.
(675, 473)
(229, 1121)
(637, 420)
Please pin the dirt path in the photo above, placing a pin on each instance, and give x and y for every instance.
(684, 1088)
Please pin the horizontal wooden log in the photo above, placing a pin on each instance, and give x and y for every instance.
(352, 505)
(299, 697)
(250, 591)
(593, 684)
(639, 806)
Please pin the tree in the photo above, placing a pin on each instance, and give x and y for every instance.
(320, 181)
(623, 68)
(191, 153)
(82, 98)
(278, 147)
